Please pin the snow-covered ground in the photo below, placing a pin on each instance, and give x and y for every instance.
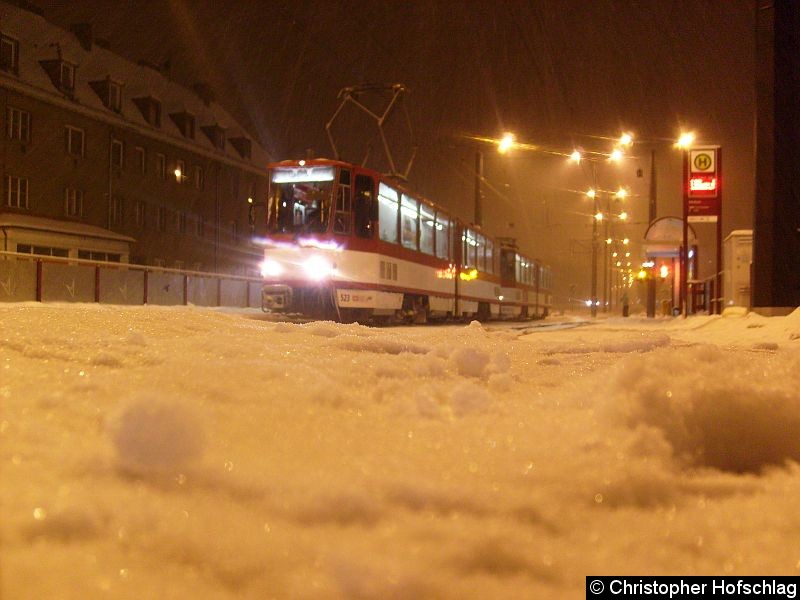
(184, 453)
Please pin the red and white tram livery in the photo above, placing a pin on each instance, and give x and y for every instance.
(346, 242)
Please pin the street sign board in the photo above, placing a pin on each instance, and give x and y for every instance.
(703, 193)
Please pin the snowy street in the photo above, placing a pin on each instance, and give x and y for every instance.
(178, 453)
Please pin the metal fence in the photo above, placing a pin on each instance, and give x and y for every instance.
(25, 277)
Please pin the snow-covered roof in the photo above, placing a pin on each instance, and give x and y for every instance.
(20, 221)
(40, 40)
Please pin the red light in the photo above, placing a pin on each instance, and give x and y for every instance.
(703, 184)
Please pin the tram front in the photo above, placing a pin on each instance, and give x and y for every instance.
(299, 251)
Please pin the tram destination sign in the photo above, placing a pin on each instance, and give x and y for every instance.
(703, 184)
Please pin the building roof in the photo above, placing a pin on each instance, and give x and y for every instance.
(40, 40)
(19, 221)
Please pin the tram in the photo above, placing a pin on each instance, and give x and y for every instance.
(347, 243)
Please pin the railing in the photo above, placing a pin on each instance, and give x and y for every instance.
(26, 277)
(706, 295)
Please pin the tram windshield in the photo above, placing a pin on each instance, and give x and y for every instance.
(300, 199)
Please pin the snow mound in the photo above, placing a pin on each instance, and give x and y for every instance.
(156, 435)
(472, 362)
(640, 342)
(713, 410)
(380, 345)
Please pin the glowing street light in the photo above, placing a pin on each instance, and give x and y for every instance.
(575, 156)
(621, 193)
(616, 155)
(598, 216)
(626, 241)
(623, 215)
(626, 139)
(506, 143)
(685, 140)
(591, 193)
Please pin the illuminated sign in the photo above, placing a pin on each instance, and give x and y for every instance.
(448, 273)
(703, 183)
(302, 174)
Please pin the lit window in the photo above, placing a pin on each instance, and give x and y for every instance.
(180, 171)
(18, 124)
(17, 192)
(74, 137)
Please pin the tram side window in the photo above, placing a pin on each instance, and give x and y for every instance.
(470, 249)
(387, 213)
(518, 268)
(442, 236)
(489, 256)
(409, 221)
(427, 226)
(507, 264)
(341, 221)
(480, 247)
(365, 194)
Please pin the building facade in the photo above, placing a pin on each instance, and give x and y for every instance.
(107, 159)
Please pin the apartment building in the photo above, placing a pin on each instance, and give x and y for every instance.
(108, 159)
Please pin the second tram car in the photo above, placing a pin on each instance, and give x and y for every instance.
(348, 243)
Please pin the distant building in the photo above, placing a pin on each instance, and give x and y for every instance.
(107, 159)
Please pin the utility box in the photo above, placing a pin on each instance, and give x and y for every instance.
(738, 257)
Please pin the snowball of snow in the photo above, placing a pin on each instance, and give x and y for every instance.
(154, 434)
(470, 362)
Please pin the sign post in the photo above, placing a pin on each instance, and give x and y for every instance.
(702, 203)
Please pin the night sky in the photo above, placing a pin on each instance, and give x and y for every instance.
(556, 73)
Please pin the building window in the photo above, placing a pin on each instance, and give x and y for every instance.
(115, 210)
(141, 159)
(182, 222)
(200, 226)
(74, 141)
(17, 192)
(73, 202)
(180, 171)
(18, 124)
(42, 250)
(9, 54)
(117, 154)
(234, 232)
(161, 166)
(98, 256)
(66, 78)
(198, 177)
(161, 218)
(141, 213)
(114, 100)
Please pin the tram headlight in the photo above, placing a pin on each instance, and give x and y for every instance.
(318, 268)
(271, 268)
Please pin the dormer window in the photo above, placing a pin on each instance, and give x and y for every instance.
(243, 146)
(216, 135)
(184, 121)
(61, 73)
(9, 54)
(110, 92)
(150, 109)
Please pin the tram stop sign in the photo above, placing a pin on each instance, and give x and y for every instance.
(703, 193)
